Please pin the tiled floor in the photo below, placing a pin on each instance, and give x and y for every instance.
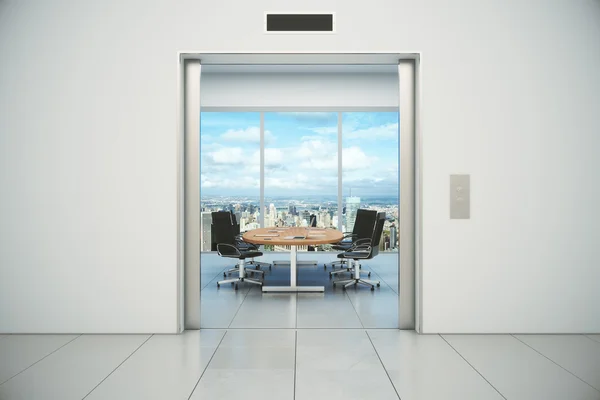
(299, 364)
(301, 352)
(248, 307)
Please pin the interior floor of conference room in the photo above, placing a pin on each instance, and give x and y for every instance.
(248, 307)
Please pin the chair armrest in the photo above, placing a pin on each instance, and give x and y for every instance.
(224, 249)
(363, 241)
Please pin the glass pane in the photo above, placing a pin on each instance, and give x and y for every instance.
(229, 169)
(301, 169)
(370, 160)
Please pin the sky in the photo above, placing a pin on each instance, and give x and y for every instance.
(300, 153)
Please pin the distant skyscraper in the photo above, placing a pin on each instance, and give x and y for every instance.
(393, 237)
(272, 215)
(306, 217)
(352, 204)
(205, 228)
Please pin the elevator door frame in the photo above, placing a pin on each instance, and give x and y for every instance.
(188, 157)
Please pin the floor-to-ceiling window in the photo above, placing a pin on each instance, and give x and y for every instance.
(230, 169)
(301, 170)
(370, 162)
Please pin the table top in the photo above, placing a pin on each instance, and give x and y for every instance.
(283, 236)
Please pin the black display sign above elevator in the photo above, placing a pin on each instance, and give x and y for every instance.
(299, 22)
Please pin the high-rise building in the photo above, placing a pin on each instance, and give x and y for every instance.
(393, 237)
(305, 218)
(205, 231)
(352, 205)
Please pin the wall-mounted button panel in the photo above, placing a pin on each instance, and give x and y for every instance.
(460, 197)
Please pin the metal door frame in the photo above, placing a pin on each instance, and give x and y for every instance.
(188, 168)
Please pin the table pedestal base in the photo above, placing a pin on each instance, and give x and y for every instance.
(293, 273)
(319, 289)
(298, 262)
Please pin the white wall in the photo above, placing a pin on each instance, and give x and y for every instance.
(88, 154)
(299, 89)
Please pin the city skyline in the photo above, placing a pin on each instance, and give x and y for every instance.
(297, 213)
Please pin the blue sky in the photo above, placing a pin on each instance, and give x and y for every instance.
(300, 153)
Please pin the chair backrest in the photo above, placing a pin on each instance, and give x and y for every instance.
(234, 221)
(364, 223)
(377, 233)
(218, 217)
(222, 228)
(221, 217)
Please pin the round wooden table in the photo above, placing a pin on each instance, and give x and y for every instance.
(292, 237)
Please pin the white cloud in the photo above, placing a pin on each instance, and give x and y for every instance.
(353, 158)
(388, 131)
(250, 135)
(241, 182)
(325, 130)
(227, 155)
(274, 156)
(291, 181)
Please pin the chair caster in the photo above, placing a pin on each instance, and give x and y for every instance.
(224, 275)
(269, 267)
(372, 288)
(324, 266)
(369, 275)
(236, 287)
(378, 285)
(218, 285)
(330, 276)
(344, 288)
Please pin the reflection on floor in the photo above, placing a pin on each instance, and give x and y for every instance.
(248, 307)
(301, 364)
(253, 358)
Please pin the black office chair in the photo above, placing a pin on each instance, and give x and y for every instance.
(248, 246)
(228, 218)
(227, 246)
(363, 229)
(363, 249)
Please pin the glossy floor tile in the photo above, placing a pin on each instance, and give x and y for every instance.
(424, 367)
(358, 307)
(339, 364)
(165, 367)
(299, 363)
(251, 364)
(375, 310)
(595, 338)
(19, 352)
(74, 370)
(517, 371)
(266, 310)
(318, 310)
(575, 353)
